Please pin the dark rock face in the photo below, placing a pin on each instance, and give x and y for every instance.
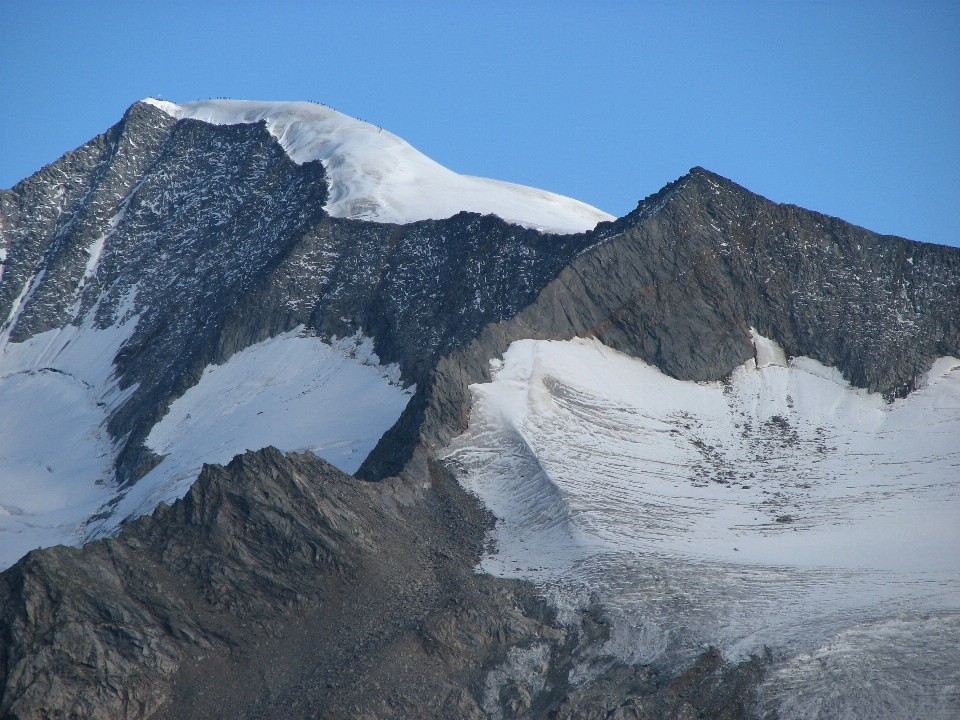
(878, 308)
(49, 220)
(421, 290)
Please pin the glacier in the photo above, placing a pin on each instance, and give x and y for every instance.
(57, 389)
(780, 508)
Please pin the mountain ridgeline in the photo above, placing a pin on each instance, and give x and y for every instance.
(281, 587)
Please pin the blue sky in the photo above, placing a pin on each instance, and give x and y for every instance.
(852, 109)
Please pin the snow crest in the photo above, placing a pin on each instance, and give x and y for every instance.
(375, 175)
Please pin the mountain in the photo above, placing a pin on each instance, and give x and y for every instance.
(703, 455)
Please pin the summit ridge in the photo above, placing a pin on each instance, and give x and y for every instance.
(375, 175)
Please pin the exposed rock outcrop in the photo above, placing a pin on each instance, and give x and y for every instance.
(280, 587)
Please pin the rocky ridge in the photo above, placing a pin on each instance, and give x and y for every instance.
(681, 281)
(280, 587)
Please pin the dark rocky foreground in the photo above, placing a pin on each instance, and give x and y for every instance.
(280, 587)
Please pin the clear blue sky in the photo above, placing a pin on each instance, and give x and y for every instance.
(852, 109)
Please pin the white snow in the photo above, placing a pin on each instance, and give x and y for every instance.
(56, 457)
(57, 390)
(294, 392)
(375, 175)
(780, 508)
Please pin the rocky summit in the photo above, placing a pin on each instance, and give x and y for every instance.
(294, 422)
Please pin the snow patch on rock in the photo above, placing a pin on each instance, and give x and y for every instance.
(58, 388)
(295, 392)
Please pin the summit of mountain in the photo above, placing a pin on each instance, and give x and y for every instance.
(375, 175)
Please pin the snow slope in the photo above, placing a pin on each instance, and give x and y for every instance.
(294, 392)
(781, 508)
(56, 457)
(374, 175)
(57, 390)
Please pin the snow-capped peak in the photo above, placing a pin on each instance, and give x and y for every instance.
(375, 175)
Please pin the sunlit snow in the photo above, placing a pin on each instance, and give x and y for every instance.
(780, 508)
(56, 456)
(375, 175)
(57, 459)
(293, 392)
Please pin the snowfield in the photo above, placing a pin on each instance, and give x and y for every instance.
(56, 456)
(293, 392)
(781, 508)
(375, 175)
(57, 389)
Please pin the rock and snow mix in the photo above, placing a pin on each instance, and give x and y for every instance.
(375, 175)
(57, 390)
(779, 508)
(293, 392)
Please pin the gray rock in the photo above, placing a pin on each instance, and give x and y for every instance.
(280, 587)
